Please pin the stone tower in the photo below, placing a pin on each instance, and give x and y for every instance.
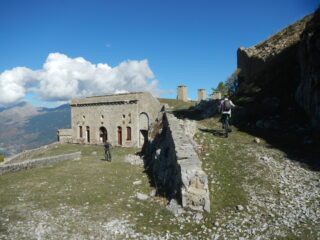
(182, 93)
(202, 94)
(216, 95)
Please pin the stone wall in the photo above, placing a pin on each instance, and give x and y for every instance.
(27, 154)
(15, 167)
(173, 164)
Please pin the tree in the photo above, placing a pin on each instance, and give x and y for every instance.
(231, 83)
(220, 88)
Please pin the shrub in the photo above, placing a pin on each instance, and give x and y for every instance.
(1, 158)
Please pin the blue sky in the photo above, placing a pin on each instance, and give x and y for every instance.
(185, 42)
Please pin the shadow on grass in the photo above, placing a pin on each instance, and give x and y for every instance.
(217, 133)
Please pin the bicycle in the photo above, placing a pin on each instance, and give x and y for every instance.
(107, 156)
(225, 124)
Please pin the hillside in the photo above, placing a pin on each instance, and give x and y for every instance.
(24, 127)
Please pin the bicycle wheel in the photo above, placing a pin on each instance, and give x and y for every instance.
(226, 126)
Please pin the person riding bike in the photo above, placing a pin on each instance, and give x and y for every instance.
(226, 105)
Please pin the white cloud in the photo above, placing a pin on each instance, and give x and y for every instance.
(62, 78)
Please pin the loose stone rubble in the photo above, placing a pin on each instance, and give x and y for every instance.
(290, 203)
(133, 159)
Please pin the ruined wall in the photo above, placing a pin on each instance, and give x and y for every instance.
(173, 164)
(15, 167)
(280, 76)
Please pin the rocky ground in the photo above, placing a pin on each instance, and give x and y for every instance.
(256, 192)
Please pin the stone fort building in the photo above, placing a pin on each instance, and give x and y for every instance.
(122, 119)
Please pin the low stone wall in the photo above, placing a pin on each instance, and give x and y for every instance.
(27, 154)
(173, 164)
(15, 167)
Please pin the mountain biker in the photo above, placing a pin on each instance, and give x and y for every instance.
(107, 154)
(225, 107)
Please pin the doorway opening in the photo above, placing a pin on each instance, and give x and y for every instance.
(119, 136)
(103, 134)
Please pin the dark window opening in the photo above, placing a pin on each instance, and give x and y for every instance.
(88, 134)
(80, 131)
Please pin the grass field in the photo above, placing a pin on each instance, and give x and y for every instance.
(83, 199)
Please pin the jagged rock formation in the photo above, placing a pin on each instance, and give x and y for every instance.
(281, 75)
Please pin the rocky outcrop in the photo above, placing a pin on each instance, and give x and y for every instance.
(173, 164)
(308, 91)
(281, 75)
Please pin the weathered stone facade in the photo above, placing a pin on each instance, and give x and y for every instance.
(122, 119)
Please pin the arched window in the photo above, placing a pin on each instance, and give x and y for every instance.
(80, 132)
(128, 133)
(143, 127)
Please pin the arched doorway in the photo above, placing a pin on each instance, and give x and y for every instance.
(119, 136)
(103, 134)
(88, 133)
(143, 128)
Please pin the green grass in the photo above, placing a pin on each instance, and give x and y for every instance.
(94, 190)
(177, 104)
(222, 167)
(1, 158)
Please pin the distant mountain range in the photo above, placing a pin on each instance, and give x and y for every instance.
(23, 126)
